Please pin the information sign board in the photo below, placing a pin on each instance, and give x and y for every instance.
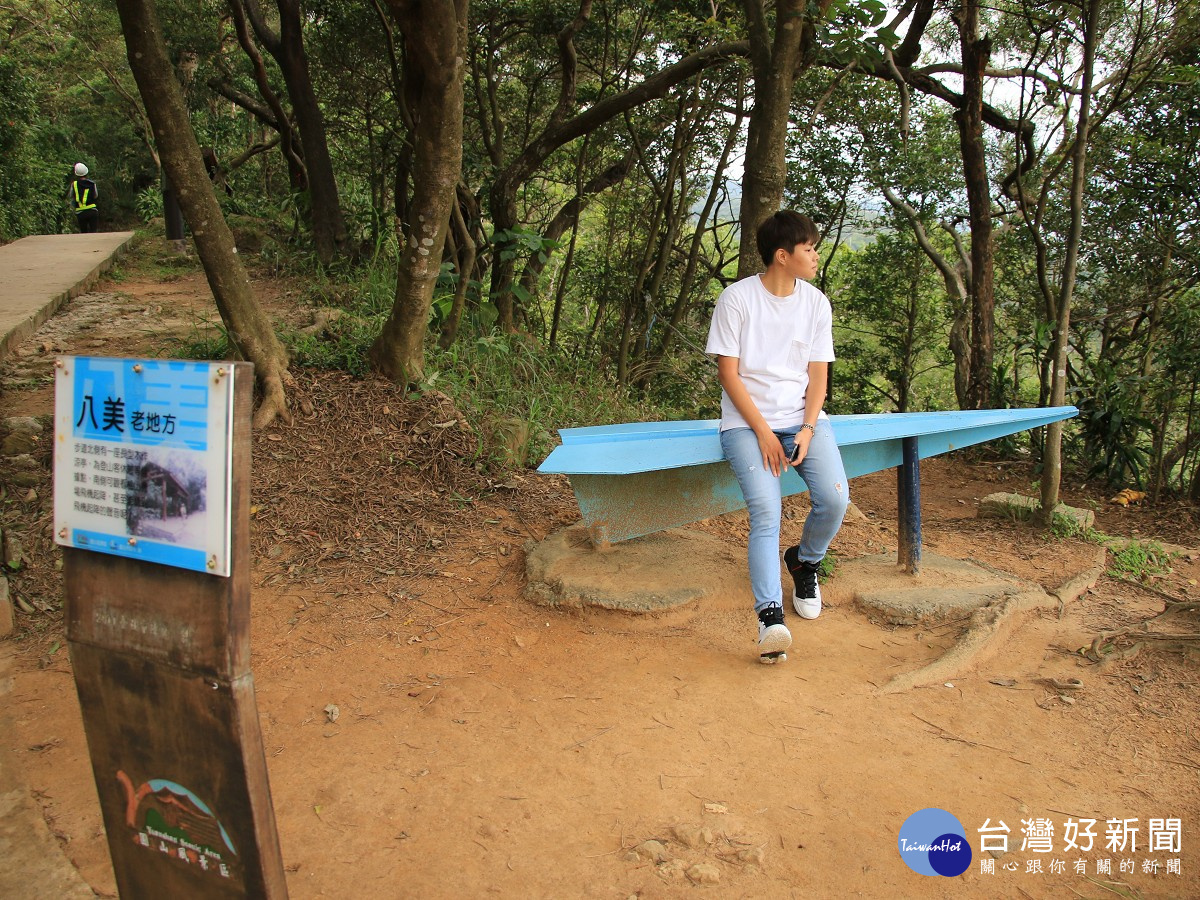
(142, 459)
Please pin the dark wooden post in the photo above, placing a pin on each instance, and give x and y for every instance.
(172, 214)
(162, 666)
(908, 503)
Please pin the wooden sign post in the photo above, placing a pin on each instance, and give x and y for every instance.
(159, 637)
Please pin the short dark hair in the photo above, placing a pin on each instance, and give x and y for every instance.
(783, 231)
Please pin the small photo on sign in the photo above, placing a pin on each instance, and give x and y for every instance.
(165, 498)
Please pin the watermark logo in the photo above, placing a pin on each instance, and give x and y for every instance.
(933, 842)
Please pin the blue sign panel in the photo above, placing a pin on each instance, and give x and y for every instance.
(142, 459)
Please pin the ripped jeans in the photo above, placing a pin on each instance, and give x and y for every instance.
(825, 477)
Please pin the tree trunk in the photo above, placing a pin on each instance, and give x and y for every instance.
(975, 54)
(329, 227)
(1052, 457)
(957, 278)
(249, 329)
(287, 47)
(273, 115)
(435, 43)
(507, 185)
(909, 347)
(774, 61)
(464, 257)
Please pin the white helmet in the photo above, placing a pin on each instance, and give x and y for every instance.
(80, 169)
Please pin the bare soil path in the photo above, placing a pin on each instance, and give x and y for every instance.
(486, 746)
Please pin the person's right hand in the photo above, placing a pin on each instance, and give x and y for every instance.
(772, 451)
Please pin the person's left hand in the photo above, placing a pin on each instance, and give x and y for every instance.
(803, 438)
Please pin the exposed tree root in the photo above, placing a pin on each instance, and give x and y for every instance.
(989, 626)
(1103, 649)
(274, 404)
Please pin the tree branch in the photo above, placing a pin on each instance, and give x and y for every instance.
(651, 89)
(261, 112)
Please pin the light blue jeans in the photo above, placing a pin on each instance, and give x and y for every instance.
(825, 477)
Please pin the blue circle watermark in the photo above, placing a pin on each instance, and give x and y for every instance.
(933, 842)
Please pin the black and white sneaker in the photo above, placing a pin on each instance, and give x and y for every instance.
(773, 636)
(807, 596)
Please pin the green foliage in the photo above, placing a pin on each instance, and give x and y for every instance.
(1064, 527)
(344, 344)
(514, 243)
(149, 203)
(854, 389)
(891, 294)
(1113, 428)
(854, 29)
(208, 339)
(1139, 560)
(509, 377)
(480, 316)
(828, 566)
(31, 185)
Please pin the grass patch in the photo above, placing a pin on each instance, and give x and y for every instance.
(1064, 527)
(1139, 560)
(495, 379)
(501, 378)
(208, 339)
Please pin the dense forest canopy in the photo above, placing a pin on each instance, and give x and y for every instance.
(1010, 194)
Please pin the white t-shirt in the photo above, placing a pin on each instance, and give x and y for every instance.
(774, 339)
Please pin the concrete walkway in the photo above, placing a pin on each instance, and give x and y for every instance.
(39, 274)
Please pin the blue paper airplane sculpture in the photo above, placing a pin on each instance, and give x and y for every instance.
(643, 477)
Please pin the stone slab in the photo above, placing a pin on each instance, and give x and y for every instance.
(945, 589)
(660, 571)
(1019, 507)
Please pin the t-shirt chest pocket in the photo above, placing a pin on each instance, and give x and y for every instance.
(798, 356)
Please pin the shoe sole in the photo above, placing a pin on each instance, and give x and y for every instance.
(773, 644)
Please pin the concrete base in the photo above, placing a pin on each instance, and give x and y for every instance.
(669, 569)
(656, 572)
(945, 589)
(993, 604)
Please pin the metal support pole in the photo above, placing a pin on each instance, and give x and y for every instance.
(908, 502)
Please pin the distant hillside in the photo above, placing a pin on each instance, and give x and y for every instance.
(857, 233)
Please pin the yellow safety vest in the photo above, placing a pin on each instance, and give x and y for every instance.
(81, 205)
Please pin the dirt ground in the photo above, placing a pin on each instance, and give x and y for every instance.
(487, 746)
